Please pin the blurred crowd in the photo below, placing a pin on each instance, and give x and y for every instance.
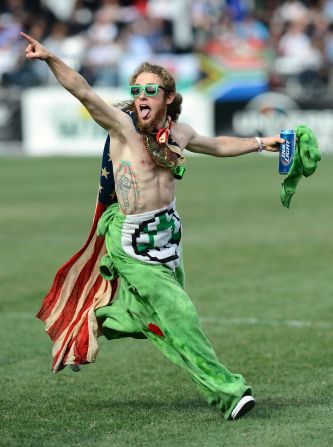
(99, 38)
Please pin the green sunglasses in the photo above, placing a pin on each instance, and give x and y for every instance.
(149, 89)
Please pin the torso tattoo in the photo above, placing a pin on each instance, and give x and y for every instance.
(127, 187)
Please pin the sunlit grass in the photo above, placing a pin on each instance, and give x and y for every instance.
(261, 279)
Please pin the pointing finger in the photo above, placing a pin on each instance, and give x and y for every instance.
(28, 38)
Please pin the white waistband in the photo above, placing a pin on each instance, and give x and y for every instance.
(149, 214)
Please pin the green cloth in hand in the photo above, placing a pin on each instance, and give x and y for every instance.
(305, 162)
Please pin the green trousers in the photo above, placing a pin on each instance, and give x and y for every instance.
(152, 303)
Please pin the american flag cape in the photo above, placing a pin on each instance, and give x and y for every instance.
(78, 289)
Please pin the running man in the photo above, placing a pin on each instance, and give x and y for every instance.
(143, 230)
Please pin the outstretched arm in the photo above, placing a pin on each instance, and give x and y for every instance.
(104, 114)
(225, 146)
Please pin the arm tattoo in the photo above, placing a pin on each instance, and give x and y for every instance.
(127, 187)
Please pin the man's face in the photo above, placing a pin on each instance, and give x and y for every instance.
(151, 110)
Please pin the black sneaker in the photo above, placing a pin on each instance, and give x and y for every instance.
(245, 405)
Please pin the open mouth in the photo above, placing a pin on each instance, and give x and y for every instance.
(144, 111)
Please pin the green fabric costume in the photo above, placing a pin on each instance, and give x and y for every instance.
(305, 162)
(152, 303)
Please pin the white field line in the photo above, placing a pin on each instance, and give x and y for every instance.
(250, 321)
(267, 322)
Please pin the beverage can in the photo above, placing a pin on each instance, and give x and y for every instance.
(287, 150)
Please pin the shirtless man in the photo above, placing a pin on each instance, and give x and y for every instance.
(143, 230)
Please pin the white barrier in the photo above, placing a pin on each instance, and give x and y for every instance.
(269, 112)
(55, 123)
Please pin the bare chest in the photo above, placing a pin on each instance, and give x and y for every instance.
(141, 184)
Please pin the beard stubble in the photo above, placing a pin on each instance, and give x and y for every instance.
(154, 123)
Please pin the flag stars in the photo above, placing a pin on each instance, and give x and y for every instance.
(105, 173)
(100, 189)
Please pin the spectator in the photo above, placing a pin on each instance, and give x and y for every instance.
(24, 73)
(327, 8)
(103, 38)
(103, 50)
(297, 50)
(136, 42)
(10, 49)
(62, 9)
(292, 11)
(69, 48)
(251, 29)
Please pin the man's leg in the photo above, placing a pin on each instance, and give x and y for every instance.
(116, 321)
(166, 316)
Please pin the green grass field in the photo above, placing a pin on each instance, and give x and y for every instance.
(260, 276)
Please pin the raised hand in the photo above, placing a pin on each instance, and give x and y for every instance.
(35, 50)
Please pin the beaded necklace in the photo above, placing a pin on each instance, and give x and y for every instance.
(163, 156)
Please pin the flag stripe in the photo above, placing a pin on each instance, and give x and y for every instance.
(70, 338)
(58, 341)
(71, 282)
(68, 309)
(53, 295)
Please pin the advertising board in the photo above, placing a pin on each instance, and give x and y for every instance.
(268, 113)
(55, 123)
